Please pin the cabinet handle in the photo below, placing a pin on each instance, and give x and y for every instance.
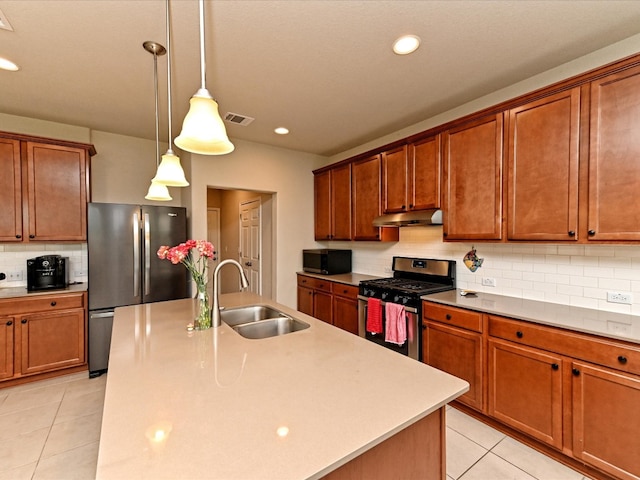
(54, 303)
(344, 291)
(411, 206)
(572, 233)
(444, 234)
(575, 372)
(9, 323)
(591, 232)
(18, 236)
(32, 236)
(23, 321)
(448, 316)
(519, 334)
(555, 366)
(403, 207)
(622, 359)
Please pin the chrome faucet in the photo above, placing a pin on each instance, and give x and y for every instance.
(215, 314)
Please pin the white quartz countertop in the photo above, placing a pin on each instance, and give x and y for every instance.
(212, 404)
(597, 322)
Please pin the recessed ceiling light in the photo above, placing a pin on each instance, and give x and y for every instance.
(281, 131)
(8, 65)
(406, 44)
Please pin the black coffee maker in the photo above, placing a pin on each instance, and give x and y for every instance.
(47, 272)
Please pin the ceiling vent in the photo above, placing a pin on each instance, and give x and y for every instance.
(238, 119)
(4, 23)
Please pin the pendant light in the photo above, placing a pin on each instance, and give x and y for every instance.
(170, 171)
(203, 131)
(156, 191)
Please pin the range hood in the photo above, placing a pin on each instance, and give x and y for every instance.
(409, 219)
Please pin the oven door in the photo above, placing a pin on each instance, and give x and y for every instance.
(410, 348)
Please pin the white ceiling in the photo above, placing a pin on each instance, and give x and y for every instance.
(322, 68)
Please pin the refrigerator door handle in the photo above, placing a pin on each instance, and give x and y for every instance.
(136, 255)
(102, 315)
(147, 254)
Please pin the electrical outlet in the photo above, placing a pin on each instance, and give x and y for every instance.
(488, 282)
(80, 273)
(619, 297)
(388, 270)
(16, 276)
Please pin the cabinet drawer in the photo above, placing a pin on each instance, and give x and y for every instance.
(453, 316)
(344, 290)
(315, 283)
(609, 353)
(41, 303)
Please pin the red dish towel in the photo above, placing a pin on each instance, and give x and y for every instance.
(374, 315)
(395, 324)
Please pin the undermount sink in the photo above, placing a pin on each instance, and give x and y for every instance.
(260, 321)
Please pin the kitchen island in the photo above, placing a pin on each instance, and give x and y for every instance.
(313, 403)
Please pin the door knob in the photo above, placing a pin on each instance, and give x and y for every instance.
(248, 264)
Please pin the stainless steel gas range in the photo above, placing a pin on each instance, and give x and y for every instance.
(412, 278)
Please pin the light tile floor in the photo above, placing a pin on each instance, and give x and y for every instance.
(50, 430)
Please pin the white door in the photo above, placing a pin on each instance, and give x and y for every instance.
(213, 235)
(251, 243)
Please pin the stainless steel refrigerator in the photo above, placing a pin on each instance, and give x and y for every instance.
(124, 268)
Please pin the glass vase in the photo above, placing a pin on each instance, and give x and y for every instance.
(202, 321)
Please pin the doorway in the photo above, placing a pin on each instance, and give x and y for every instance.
(251, 243)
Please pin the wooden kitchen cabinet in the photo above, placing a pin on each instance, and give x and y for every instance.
(315, 297)
(411, 176)
(452, 342)
(332, 189)
(42, 335)
(473, 180)
(614, 157)
(366, 190)
(605, 419)
(46, 191)
(543, 166)
(345, 307)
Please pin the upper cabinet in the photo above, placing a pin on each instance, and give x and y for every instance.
(473, 180)
(46, 190)
(614, 157)
(333, 203)
(411, 176)
(542, 164)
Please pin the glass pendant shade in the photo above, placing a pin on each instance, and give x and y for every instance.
(170, 171)
(202, 130)
(158, 192)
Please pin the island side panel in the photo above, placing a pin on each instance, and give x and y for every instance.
(418, 451)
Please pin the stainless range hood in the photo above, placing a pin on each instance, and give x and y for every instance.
(409, 219)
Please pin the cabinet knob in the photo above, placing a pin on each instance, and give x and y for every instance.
(411, 206)
(344, 291)
(18, 236)
(32, 236)
(54, 303)
(403, 207)
(591, 232)
(444, 234)
(448, 316)
(23, 321)
(572, 233)
(519, 334)
(9, 323)
(555, 366)
(622, 359)
(575, 372)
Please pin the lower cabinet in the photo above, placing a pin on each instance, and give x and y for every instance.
(43, 334)
(332, 302)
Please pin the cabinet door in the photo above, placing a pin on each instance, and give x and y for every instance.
(345, 313)
(473, 180)
(614, 157)
(305, 300)
(605, 419)
(424, 174)
(10, 191)
(525, 390)
(542, 163)
(341, 202)
(458, 352)
(57, 192)
(50, 341)
(395, 177)
(6, 347)
(322, 199)
(323, 306)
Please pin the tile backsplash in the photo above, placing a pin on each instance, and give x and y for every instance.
(578, 275)
(13, 259)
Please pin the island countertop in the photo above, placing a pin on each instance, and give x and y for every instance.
(212, 404)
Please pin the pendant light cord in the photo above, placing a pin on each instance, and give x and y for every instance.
(202, 61)
(155, 88)
(169, 76)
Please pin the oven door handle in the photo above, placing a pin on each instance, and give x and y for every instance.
(406, 309)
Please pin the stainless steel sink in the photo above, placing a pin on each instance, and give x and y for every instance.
(270, 328)
(260, 321)
(253, 313)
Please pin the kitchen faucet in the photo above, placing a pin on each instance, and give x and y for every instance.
(215, 315)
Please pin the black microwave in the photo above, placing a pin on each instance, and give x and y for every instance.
(326, 261)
